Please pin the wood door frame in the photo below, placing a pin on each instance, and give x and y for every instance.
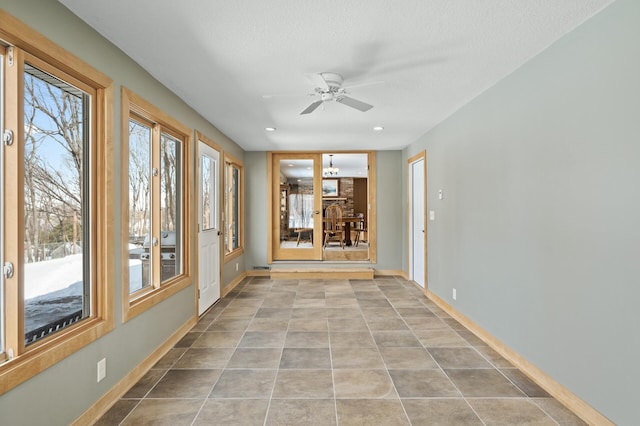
(419, 156)
(273, 200)
(314, 253)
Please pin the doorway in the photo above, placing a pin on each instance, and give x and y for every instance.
(208, 224)
(303, 186)
(417, 220)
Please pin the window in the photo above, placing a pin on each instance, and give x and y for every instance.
(207, 193)
(56, 274)
(156, 225)
(234, 218)
(57, 205)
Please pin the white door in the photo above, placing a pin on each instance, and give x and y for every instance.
(417, 223)
(208, 227)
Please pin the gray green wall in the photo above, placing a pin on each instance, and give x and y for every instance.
(539, 228)
(389, 206)
(63, 392)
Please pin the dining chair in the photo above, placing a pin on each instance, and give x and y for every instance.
(361, 228)
(333, 230)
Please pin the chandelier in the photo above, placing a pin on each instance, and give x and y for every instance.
(330, 171)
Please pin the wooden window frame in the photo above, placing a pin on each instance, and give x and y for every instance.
(138, 302)
(230, 160)
(26, 362)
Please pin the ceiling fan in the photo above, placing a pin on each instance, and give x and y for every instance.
(328, 86)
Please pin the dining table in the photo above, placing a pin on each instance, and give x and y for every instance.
(346, 222)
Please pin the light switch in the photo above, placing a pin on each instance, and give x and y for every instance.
(432, 215)
(440, 194)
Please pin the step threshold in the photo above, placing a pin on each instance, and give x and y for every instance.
(322, 274)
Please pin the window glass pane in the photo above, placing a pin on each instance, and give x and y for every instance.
(55, 271)
(296, 203)
(170, 206)
(232, 203)
(1, 200)
(235, 208)
(207, 166)
(139, 206)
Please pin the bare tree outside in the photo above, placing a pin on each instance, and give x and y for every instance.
(54, 150)
(53, 167)
(139, 185)
(169, 151)
(139, 202)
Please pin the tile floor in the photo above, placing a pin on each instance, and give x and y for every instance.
(310, 352)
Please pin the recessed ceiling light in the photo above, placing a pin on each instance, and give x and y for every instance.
(378, 128)
(270, 129)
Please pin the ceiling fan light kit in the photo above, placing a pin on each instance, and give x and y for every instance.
(329, 87)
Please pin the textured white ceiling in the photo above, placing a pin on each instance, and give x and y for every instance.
(433, 56)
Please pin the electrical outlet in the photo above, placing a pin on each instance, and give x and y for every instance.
(454, 294)
(102, 369)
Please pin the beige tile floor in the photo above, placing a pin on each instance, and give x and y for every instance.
(310, 352)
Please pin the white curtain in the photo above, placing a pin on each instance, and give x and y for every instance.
(300, 211)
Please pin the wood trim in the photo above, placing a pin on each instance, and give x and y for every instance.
(12, 238)
(416, 157)
(18, 34)
(230, 256)
(391, 272)
(152, 298)
(112, 396)
(273, 195)
(161, 122)
(262, 273)
(145, 109)
(422, 155)
(555, 389)
(229, 287)
(104, 202)
(199, 136)
(322, 274)
(56, 348)
(29, 362)
(230, 159)
(372, 233)
(270, 213)
(273, 190)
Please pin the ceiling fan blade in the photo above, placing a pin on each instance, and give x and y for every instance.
(354, 103)
(372, 83)
(311, 107)
(318, 81)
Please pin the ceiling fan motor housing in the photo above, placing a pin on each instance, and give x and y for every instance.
(334, 81)
(328, 86)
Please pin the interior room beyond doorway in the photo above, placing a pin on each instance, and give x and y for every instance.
(339, 181)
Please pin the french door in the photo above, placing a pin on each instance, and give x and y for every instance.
(296, 206)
